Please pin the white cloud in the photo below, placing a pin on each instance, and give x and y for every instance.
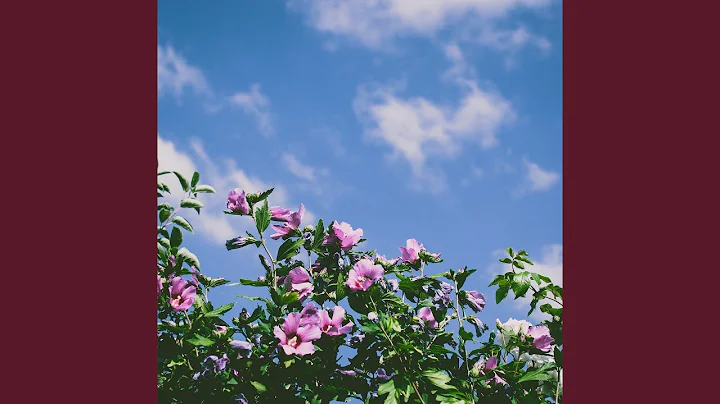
(212, 223)
(510, 41)
(375, 23)
(299, 169)
(549, 264)
(538, 179)
(175, 74)
(417, 129)
(257, 106)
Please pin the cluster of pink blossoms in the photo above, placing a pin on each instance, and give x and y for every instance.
(299, 330)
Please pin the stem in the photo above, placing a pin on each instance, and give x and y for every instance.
(460, 311)
(557, 390)
(272, 260)
(167, 221)
(402, 357)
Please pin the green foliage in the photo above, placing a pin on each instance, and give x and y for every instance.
(403, 350)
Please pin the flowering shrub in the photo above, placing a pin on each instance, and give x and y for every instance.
(340, 323)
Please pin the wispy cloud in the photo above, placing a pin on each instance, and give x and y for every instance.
(224, 177)
(256, 105)
(175, 74)
(416, 129)
(299, 169)
(376, 24)
(538, 179)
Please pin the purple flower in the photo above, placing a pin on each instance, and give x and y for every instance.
(159, 284)
(310, 315)
(243, 346)
(237, 202)
(476, 300)
(333, 326)
(241, 399)
(343, 234)
(347, 372)
(427, 318)
(363, 274)
(213, 363)
(280, 214)
(299, 281)
(441, 299)
(220, 330)
(541, 337)
(296, 339)
(411, 252)
(291, 225)
(382, 374)
(181, 296)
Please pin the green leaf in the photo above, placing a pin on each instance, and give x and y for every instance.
(205, 189)
(518, 264)
(340, 291)
(265, 263)
(506, 260)
(390, 323)
(497, 280)
(524, 259)
(509, 251)
(501, 293)
(262, 218)
(465, 335)
(199, 340)
(164, 215)
(165, 243)
(438, 378)
(521, 284)
(259, 387)
(220, 311)
(387, 387)
(248, 282)
(191, 203)
(176, 237)
(536, 374)
(255, 198)
(180, 221)
(558, 356)
(218, 282)
(289, 298)
(195, 179)
(189, 257)
(391, 398)
(183, 181)
(289, 248)
(318, 235)
(163, 173)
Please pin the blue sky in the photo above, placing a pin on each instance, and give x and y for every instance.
(434, 120)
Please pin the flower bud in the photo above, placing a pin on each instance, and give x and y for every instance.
(308, 228)
(372, 316)
(244, 314)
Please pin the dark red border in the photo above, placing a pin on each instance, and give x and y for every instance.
(79, 127)
(640, 120)
(79, 146)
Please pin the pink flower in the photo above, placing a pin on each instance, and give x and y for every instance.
(237, 202)
(411, 252)
(363, 274)
(299, 281)
(541, 337)
(309, 315)
(293, 222)
(492, 364)
(296, 339)
(181, 296)
(159, 284)
(333, 327)
(280, 214)
(426, 317)
(343, 234)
